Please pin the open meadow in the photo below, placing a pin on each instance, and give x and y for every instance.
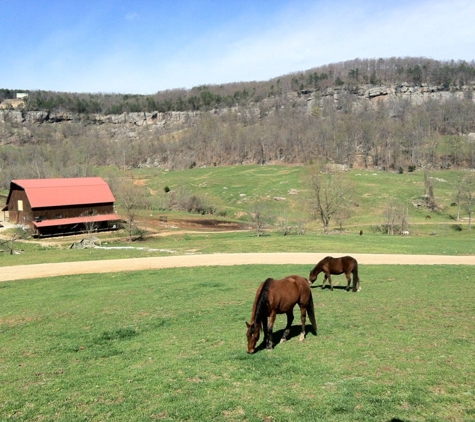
(281, 193)
(170, 345)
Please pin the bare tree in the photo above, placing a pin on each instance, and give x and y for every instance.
(130, 198)
(330, 193)
(90, 226)
(429, 194)
(390, 217)
(342, 215)
(459, 185)
(395, 217)
(14, 235)
(284, 223)
(260, 217)
(468, 196)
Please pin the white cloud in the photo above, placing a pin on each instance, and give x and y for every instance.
(132, 16)
(293, 39)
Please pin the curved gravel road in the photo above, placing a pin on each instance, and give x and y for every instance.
(21, 272)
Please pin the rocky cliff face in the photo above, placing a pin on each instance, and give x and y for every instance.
(14, 113)
(139, 119)
(404, 91)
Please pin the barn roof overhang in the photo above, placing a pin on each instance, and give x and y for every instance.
(76, 220)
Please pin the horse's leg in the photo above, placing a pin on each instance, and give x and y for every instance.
(264, 328)
(290, 318)
(269, 343)
(303, 317)
(356, 283)
(331, 282)
(348, 278)
(324, 281)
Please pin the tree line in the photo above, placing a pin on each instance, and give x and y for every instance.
(395, 135)
(391, 134)
(346, 75)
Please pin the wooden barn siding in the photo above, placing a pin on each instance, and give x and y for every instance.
(15, 216)
(27, 216)
(54, 213)
(61, 230)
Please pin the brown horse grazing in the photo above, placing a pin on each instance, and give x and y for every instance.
(279, 297)
(337, 266)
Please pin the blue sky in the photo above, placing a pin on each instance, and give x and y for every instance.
(145, 46)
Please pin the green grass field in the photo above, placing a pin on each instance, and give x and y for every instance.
(247, 242)
(170, 345)
(223, 187)
(460, 243)
(236, 189)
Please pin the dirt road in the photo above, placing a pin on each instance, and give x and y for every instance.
(134, 264)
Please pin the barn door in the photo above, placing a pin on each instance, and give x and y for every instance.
(20, 211)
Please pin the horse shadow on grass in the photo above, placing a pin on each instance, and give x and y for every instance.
(295, 331)
(327, 287)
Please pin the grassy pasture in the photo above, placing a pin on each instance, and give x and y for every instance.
(236, 189)
(223, 187)
(170, 345)
(460, 243)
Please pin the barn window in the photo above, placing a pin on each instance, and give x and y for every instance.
(20, 205)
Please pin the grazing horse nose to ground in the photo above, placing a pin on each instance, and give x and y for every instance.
(279, 297)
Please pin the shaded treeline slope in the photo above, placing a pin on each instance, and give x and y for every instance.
(390, 113)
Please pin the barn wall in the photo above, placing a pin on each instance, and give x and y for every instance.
(16, 216)
(64, 230)
(27, 216)
(54, 213)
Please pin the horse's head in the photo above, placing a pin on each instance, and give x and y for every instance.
(253, 333)
(313, 275)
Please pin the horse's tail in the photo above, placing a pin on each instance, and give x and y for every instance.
(356, 278)
(311, 313)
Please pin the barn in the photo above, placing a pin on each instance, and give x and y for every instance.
(62, 206)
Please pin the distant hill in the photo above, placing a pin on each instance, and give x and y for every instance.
(348, 77)
(390, 113)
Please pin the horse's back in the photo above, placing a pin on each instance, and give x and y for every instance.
(287, 292)
(350, 262)
(298, 281)
(343, 264)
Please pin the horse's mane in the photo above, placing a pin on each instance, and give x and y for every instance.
(262, 303)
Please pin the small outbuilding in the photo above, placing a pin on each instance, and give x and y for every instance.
(51, 207)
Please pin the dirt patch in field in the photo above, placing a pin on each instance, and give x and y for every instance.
(163, 223)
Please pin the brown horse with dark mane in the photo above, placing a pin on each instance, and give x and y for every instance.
(337, 266)
(279, 297)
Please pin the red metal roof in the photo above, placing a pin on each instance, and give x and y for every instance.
(76, 220)
(60, 192)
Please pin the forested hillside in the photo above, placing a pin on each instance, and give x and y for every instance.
(395, 114)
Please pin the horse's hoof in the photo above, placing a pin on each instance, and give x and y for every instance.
(302, 337)
(283, 340)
